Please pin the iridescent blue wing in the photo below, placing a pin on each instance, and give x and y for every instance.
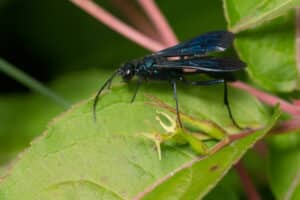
(201, 45)
(204, 64)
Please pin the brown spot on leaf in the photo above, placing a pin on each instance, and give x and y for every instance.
(104, 179)
(124, 193)
(214, 168)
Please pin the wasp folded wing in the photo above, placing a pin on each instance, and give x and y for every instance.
(210, 42)
(206, 64)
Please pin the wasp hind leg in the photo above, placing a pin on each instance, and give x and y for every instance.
(176, 101)
(226, 101)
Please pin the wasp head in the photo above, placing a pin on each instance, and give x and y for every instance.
(127, 71)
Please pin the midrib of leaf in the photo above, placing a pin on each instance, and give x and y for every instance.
(217, 180)
(298, 39)
(250, 21)
(293, 186)
(83, 110)
(235, 155)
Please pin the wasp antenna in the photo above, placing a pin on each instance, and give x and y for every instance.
(107, 82)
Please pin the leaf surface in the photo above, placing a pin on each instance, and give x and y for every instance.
(268, 47)
(251, 13)
(111, 159)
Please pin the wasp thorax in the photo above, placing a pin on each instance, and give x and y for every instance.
(127, 71)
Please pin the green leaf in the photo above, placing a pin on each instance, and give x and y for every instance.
(198, 176)
(269, 52)
(111, 159)
(249, 14)
(284, 166)
(268, 47)
(32, 112)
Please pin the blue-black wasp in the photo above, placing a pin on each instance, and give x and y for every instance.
(175, 63)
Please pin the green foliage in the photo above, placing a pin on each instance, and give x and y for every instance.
(76, 158)
(265, 55)
(248, 14)
(284, 165)
(32, 112)
(77, 154)
(268, 49)
(228, 188)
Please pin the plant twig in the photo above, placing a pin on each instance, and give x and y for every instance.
(161, 24)
(268, 98)
(137, 18)
(117, 25)
(261, 149)
(31, 83)
(296, 102)
(247, 183)
(292, 125)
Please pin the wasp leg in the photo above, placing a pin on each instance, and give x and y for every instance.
(136, 90)
(176, 101)
(214, 82)
(108, 82)
(226, 102)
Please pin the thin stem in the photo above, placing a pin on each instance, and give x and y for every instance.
(296, 102)
(136, 17)
(117, 25)
(292, 125)
(231, 139)
(161, 24)
(247, 182)
(268, 98)
(31, 83)
(261, 148)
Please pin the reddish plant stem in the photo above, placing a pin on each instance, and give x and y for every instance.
(292, 125)
(109, 20)
(268, 98)
(161, 24)
(137, 18)
(261, 148)
(296, 102)
(289, 126)
(247, 182)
